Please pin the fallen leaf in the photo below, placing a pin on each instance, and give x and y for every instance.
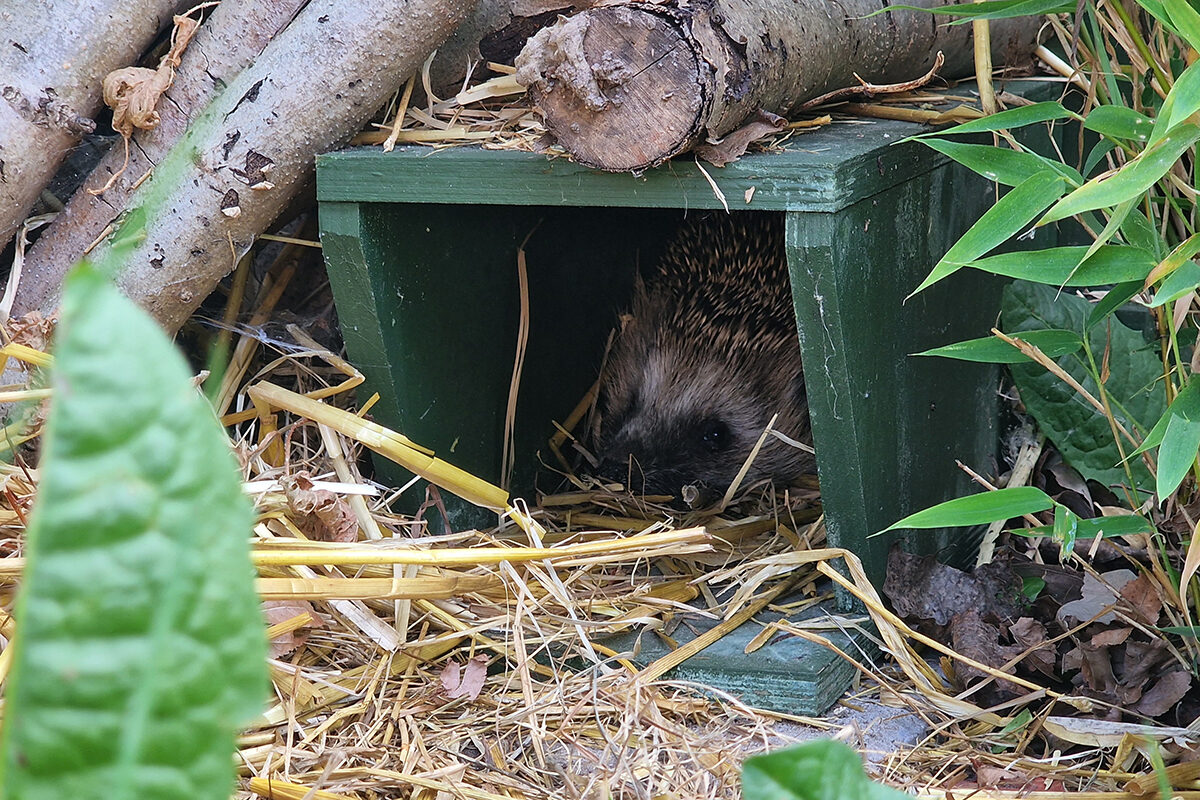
(976, 638)
(1143, 596)
(277, 611)
(733, 145)
(1164, 694)
(1031, 636)
(1096, 597)
(1105, 733)
(921, 588)
(323, 515)
(468, 682)
(1111, 637)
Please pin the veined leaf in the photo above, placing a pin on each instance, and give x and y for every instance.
(820, 770)
(1082, 434)
(1000, 164)
(1119, 122)
(978, 509)
(1009, 216)
(993, 350)
(1131, 180)
(141, 644)
(1060, 266)
(1013, 118)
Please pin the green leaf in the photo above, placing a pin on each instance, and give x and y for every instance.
(1131, 180)
(1012, 213)
(140, 641)
(994, 9)
(1000, 164)
(1007, 120)
(1031, 587)
(820, 770)
(1186, 20)
(1097, 154)
(978, 509)
(1060, 266)
(1106, 527)
(1119, 122)
(1186, 404)
(1182, 102)
(1065, 527)
(1081, 433)
(1138, 231)
(1117, 296)
(1183, 280)
(993, 350)
(1176, 454)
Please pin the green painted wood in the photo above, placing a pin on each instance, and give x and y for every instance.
(787, 674)
(824, 170)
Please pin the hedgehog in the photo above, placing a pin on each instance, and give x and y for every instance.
(704, 358)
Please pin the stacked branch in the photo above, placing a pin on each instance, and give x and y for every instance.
(627, 85)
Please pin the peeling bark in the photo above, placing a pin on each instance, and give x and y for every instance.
(625, 86)
(53, 56)
(218, 179)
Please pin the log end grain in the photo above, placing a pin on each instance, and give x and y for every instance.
(620, 88)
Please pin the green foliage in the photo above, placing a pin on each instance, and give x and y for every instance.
(1082, 434)
(1110, 419)
(820, 770)
(140, 644)
(979, 509)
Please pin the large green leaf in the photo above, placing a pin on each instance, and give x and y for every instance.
(140, 644)
(978, 509)
(1008, 217)
(820, 770)
(1080, 432)
(994, 350)
(1131, 180)
(1186, 19)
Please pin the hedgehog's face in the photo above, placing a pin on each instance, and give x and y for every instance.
(667, 422)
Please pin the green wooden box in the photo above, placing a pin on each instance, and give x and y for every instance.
(421, 248)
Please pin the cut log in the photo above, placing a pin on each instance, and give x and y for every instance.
(228, 174)
(53, 56)
(625, 86)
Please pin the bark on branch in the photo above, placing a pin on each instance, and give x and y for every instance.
(53, 56)
(218, 179)
(626, 85)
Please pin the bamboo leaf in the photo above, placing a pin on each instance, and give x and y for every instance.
(993, 350)
(1186, 20)
(1131, 180)
(1182, 280)
(1000, 164)
(978, 509)
(1176, 454)
(1060, 266)
(1012, 213)
(1119, 122)
(1182, 102)
(1019, 117)
(1106, 527)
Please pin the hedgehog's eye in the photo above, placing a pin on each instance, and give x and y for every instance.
(715, 435)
